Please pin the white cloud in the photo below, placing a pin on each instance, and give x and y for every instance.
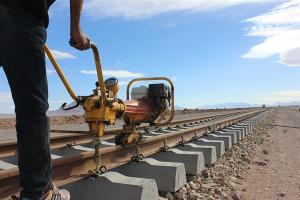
(291, 57)
(285, 13)
(49, 71)
(115, 73)
(122, 74)
(281, 96)
(143, 9)
(276, 44)
(281, 29)
(62, 55)
(88, 72)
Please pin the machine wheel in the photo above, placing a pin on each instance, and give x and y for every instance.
(126, 139)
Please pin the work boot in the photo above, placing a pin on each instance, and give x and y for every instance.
(53, 193)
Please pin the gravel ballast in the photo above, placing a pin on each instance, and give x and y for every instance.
(220, 180)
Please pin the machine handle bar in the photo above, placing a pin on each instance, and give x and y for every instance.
(69, 108)
(65, 81)
(60, 73)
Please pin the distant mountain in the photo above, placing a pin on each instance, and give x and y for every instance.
(230, 105)
(293, 103)
(178, 107)
(60, 112)
(5, 115)
(247, 105)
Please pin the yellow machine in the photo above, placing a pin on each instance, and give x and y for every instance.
(102, 107)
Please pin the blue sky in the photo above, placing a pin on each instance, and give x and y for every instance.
(214, 51)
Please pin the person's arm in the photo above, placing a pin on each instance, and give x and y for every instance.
(79, 40)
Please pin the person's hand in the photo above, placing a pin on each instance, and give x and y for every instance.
(79, 40)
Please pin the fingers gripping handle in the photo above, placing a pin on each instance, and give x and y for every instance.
(65, 81)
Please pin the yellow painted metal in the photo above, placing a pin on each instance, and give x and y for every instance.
(102, 112)
(99, 109)
(156, 79)
(115, 89)
(101, 127)
(102, 109)
(60, 73)
(99, 71)
(133, 137)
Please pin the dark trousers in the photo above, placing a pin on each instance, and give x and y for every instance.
(23, 60)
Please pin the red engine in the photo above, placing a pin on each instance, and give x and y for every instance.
(146, 104)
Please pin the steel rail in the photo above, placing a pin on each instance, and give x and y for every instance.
(9, 148)
(78, 164)
(174, 122)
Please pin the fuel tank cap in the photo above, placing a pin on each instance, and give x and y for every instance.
(110, 82)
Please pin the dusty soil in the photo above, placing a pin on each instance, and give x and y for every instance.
(280, 177)
(9, 123)
(263, 166)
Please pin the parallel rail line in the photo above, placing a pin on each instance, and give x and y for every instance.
(8, 148)
(78, 163)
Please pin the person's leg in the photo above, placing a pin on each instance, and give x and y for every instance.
(23, 60)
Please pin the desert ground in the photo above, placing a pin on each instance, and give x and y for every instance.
(263, 166)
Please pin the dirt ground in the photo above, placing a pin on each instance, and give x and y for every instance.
(278, 174)
(9, 123)
(263, 166)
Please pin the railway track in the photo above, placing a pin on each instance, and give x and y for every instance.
(65, 137)
(76, 160)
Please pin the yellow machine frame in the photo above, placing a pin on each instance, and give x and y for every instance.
(103, 107)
